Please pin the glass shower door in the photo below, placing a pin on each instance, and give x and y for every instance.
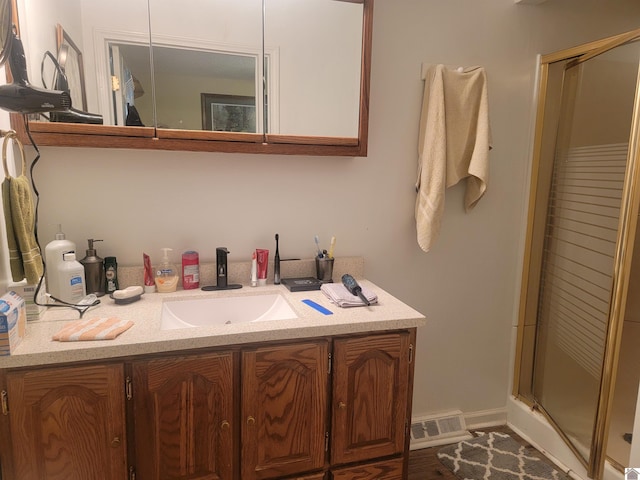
(581, 240)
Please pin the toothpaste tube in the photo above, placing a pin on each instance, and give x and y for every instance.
(262, 256)
(149, 281)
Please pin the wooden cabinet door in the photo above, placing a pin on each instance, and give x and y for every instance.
(183, 414)
(68, 423)
(370, 394)
(284, 409)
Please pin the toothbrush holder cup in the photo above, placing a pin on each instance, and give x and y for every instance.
(324, 269)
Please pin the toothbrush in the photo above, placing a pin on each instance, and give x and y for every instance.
(332, 246)
(276, 264)
(318, 246)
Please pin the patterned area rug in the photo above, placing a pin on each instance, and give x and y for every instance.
(495, 456)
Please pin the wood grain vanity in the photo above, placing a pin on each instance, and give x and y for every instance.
(313, 401)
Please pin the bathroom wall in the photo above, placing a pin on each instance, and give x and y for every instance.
(467, 286)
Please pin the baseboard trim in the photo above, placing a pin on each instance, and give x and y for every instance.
(486, 418)
(479, 419)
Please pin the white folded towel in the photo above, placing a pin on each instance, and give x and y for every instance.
(338, 294)
(454, 143)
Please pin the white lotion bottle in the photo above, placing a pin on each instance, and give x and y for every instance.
(53, 257)
(71, 280)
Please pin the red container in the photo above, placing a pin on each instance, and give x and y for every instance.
(190, 270)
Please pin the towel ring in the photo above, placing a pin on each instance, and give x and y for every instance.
(7, 135)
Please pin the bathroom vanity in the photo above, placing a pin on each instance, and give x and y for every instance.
(316, 397)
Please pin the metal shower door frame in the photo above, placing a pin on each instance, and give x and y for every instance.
(531, 276)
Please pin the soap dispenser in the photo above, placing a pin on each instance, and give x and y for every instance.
(93, 270)
(166, 274)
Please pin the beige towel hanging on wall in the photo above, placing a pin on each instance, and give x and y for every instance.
(454, 143)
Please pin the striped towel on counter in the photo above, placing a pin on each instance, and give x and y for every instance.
(105, 328)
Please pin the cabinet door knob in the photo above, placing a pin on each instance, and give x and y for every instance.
(115, 442)
(224, 425)
(250, 420)
(342, 405)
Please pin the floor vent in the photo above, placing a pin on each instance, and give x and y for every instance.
(438, 430)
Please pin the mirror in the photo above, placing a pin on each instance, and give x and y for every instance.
(77, 34)
(224, 79)
(207, 68)
(319, 46)
(6, 20)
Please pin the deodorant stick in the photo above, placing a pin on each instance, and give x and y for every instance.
(190, 270)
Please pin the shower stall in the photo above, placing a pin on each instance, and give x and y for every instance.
(578, 349)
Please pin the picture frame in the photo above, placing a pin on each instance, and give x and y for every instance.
(228, 113)
(70, 60)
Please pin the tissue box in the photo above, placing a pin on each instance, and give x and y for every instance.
(13, 322)
(27, 292)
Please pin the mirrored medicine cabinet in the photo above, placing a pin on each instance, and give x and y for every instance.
(250, 76)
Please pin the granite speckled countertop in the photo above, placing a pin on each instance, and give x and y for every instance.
(146, 337)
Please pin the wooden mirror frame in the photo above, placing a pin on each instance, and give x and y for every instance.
(151, 138)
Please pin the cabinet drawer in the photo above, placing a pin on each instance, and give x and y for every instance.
(311, 476)
(386, 470)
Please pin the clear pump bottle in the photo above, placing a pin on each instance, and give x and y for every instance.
(166, 274)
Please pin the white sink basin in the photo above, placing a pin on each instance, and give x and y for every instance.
(207, 312)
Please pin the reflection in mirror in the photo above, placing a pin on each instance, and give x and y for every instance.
(319, 45)
(6, 20)
(131, 101)
(184, 76)
(70, 62)
(228, 113)
(207, 83)
(213, 54)
(78, 33)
